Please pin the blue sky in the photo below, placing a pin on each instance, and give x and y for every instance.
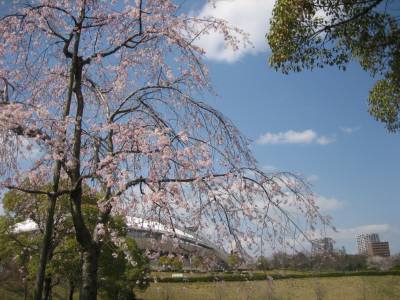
(312, 123)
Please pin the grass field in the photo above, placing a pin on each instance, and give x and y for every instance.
(337, 288)
(342, 288)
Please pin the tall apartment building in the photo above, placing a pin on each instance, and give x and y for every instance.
(379, 249)
(370, 244)
(363, 240)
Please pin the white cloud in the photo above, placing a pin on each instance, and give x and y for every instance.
(327, 204)
(294, 137)
(312, 178)
(290, 203)
(288, 137)
(252, 16)
(324, 140)
(351, 233)
(269, 168)
(350, 130)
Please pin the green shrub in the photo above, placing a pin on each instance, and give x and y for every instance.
(260, 276)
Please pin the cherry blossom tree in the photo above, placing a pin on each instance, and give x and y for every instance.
(108, 94)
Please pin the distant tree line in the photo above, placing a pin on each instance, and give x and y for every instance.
(334, 261)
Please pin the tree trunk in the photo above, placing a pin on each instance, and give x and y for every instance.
(89, 274)
(25, 289)
(71, 291)
(45, 249)
(47, 288)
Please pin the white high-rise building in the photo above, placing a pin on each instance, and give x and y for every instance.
(363, 241)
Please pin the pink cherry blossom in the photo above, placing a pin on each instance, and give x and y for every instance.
(108, 93)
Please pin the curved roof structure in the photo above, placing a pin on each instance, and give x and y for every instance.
(148, 233)
(142, 224)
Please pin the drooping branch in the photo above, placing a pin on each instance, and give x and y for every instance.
(28, 191)
(115, 95)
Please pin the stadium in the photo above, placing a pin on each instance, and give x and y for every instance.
(156, 240)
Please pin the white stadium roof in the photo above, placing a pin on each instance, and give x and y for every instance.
(141, 224)
(131, 222)
(25, 226)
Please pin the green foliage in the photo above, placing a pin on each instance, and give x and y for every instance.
(65, 265)
(171, 263)
(308, 34)
(280, 260)
(300, 261)
(18, 249)
(234, 260)
(325, 262)
(338, 262)
(262, 263)
(384, 101)
(117, 275)
(163, 261)
(176, 264)
(275, 276)
(198, 262)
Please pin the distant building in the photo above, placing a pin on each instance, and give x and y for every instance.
(363, 240)
(321, 246)
(370, 244)
(379, 249)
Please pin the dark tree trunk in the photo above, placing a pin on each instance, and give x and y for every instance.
(45, 249)
(71, 291)
(47, 288)
(88, 288)
(25, 289)
(89, 275)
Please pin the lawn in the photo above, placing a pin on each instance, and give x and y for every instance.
(371, 287)
(336, 288)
